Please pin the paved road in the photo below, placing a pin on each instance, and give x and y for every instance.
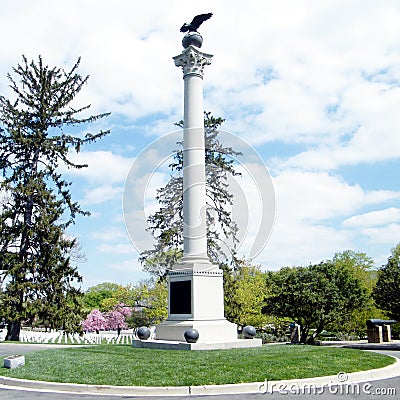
(365, 392)
(7, 349)
(382, 389)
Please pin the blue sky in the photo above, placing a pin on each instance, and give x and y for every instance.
(312, 86)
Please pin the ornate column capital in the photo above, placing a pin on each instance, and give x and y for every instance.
(192, 61)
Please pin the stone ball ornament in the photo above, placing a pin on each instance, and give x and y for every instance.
(191, 335)
(249, 332)
(192, 39)
(143, 333)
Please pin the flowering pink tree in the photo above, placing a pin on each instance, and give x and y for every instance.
(95, 321)
(116, 319)
(113, 320)
(123, 309)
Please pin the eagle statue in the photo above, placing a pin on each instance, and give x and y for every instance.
(196, 22)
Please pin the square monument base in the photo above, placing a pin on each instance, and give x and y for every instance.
(174, 345)
(196, 301)
(219, 330)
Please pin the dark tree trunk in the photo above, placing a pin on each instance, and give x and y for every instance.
(13, 331)
(303, 333)
(311, 339)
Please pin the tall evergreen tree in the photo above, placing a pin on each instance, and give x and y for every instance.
(40, 281)
(166, 224)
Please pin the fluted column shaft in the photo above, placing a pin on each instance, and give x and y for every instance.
(193, 62)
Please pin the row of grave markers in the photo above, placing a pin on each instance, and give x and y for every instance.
(59, 337)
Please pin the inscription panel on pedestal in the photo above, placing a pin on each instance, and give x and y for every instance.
(180, 297)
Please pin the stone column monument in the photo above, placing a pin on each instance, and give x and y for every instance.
(196, 297)
(195, 285)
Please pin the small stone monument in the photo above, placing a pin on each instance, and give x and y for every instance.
(294, 333)
(14, 361)
(379, 330)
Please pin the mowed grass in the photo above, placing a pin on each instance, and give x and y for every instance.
(125, 366)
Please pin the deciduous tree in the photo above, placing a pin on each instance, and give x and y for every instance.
(116, 318)
(313, 296)
(146, 301)
(361, 267)
(96, 295)
(387, 290)
(245, 292)
(95, 322)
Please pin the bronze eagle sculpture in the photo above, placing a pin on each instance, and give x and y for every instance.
(196, 22)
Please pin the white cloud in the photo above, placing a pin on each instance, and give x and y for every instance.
(306, 196)
(329, 74)
(383, 234)
(302, 243)
(372, 129)
(373, 218)
(315, 218)
(321, 75)
(117, 248)
(128, 271)
(101, 194)
(329, 83)
(104, 167)
(109, 235)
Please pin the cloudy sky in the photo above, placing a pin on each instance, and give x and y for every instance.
(313, 87)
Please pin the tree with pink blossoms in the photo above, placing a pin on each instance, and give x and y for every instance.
(124, 310)
(116, 318)
(95, 321)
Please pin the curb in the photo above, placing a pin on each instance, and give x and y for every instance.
(341, 378)
(374, 346)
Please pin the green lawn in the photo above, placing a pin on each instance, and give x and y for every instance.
(123, 365)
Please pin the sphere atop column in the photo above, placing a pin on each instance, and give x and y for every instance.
(192, 38)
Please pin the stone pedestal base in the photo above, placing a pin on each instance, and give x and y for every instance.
(175, 345)
(196, 301)
(209, 330)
